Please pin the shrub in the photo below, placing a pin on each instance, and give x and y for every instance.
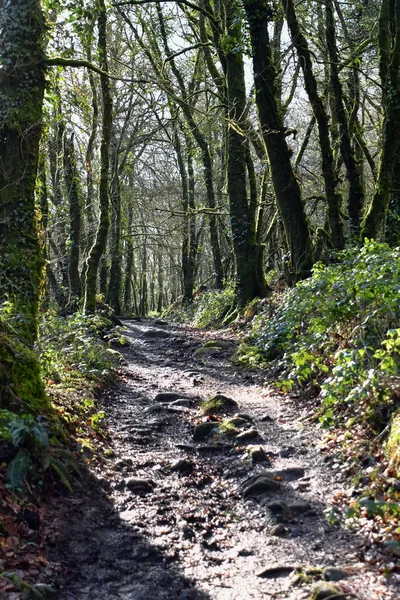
(338, 331)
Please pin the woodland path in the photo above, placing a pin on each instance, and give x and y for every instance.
(165, 517)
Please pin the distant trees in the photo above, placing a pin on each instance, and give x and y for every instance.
(166, 166)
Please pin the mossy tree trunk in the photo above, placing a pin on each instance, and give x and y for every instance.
(321, 116)
(74, 191)
(99, 245)
(240, 171)
(389, 70)
(356, 194)
(22, 86)
(287, 190)
(115, 280)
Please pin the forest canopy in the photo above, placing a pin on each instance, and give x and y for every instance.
(151, 149)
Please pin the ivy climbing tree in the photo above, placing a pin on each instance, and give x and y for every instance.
(22, 85)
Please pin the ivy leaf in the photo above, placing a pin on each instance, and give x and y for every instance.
(17, 469)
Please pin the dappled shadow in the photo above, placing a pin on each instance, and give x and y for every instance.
(192, 533)
(102, 555)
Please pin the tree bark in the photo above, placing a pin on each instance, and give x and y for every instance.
(74, 192)
(22, 85)
(287, 190)
(321, 116)
(99, 245)
(389, 67)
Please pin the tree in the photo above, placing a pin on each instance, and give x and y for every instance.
(22, 85)
(288, 196)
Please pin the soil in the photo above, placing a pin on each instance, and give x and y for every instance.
(164, 517)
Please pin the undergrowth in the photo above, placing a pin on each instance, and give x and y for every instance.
(50, 425)
(338, 334)
(334, 339)
(208, 309)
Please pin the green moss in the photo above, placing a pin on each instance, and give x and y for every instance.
(208, 407)
(393, 443)
(20, 377)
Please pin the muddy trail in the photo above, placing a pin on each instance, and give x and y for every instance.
(181, 512)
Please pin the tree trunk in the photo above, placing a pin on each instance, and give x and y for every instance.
(356, 190)
(321, 116)
(74, 192)
(115, 281)
(389, 67)
(286, 187)
(22, 86)
(99, 245)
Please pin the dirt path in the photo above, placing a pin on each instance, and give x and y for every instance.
(177, 519)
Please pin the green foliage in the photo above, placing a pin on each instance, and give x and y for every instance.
(209, 308)
(208, 407)
(337, 331)
(71, 347)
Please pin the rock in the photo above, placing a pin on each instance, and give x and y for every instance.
(204, 351)
(213, 448)
(223, 344)
(247, 436)
(182, 402)
(278, 530)
(170, 397)
(245, 416)
(300, 507)
(204, 430)
(321, 591)
(257, 454)
(160, 322)
(277, 507)
(289, 474)
(261, 485)
(182, 465)
(185, 447)
(266, 418)
(139, 486)
(286, 452)
(236, 422)
(276, 572)
(334, 574)
(244, 551)
(156, 334)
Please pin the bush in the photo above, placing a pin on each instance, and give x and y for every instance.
(338, 331)
(208, 308)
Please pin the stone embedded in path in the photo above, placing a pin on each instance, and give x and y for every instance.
(204, 430)
(275, 572)
(182, 465)
(170, 397)
(261, 485)
(257, 454)
(289, 474)
(322, 591)
(334, 574)
(300, 507)
(156, 334)
(248, 435)
(138, 485)
(236, 421)
(218, 344)
(266, 418)
(185, 402)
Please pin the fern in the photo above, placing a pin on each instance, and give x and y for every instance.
(17, 470)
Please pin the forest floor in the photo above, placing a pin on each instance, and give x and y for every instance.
(164, 516)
